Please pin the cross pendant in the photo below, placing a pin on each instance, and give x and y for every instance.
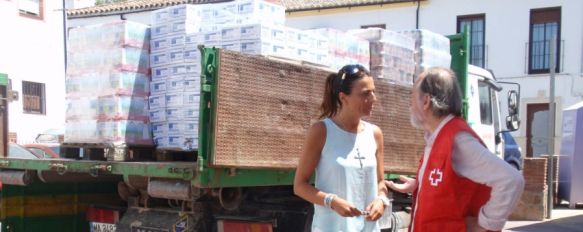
(359, 158)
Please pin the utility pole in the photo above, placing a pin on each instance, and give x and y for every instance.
(551, 143)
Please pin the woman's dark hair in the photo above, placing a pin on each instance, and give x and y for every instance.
(337, 83)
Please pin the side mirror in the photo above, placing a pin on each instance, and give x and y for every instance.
(512, 122)
(512, 103)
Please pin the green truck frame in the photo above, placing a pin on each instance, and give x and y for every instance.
(42, 206)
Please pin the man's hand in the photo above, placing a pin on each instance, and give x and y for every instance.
(408, 185)
(344, 208)
(473, 226)
(375, 210)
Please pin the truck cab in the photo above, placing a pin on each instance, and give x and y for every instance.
(484, 108)
(482, 95)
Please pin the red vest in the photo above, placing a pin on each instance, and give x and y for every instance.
(446, 198)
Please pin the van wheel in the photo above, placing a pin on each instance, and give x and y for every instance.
(514, 165)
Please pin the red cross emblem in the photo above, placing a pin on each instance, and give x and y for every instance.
(435, 177)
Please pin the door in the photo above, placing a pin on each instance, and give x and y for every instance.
(537, 129)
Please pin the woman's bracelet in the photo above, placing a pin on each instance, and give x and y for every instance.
(328, 200)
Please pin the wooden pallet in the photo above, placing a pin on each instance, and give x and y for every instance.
(124, 152)
(108, 151)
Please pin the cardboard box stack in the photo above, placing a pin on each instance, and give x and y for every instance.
(176, 66)
(247, 26)
(431, 50)
(108, 84)
(391, 55)
(344, 48)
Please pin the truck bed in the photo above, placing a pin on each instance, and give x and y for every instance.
(254, 115)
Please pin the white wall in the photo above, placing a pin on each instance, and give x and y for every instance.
(33, 50)
(507, 33)
(76, 4)
(139, 17)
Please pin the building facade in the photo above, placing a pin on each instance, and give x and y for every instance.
(33, 57)
(512, 38)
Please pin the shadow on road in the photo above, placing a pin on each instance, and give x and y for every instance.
(566, 224)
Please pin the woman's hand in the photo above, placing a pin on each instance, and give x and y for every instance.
(375, 210)
(344, 208)
(408, 185)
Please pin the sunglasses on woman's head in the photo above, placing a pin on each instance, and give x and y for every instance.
(349, 71)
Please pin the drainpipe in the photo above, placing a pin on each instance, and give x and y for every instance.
(417, 15)
(65, 33)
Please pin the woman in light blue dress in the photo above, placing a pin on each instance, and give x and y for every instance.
(346, 153)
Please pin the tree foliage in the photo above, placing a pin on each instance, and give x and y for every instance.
(105, 2)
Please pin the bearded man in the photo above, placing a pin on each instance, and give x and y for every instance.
(460, 185)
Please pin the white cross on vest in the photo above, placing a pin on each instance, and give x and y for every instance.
(435, 177)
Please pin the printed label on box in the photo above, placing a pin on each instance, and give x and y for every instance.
(173, 113)
(157, 115)
(278, 34)
(191, 111)
(176, 56)
(175, 84)
(255, 32)
(160, 15)
(212, 36)
(178, 11)
(192, 55)
(159, 129)
(177, 40)
(175, 127)
(157, 87)
(254, 47)
(159, 44)
(232, 46)
(174, 99)
(230, 33)
(190, 129)
(161, 141)
(192, 85)
(191, 98)
(196, 38)
(157, 59)
(157, 101)
(192, 69)
(159, 73)
(176, 70)
(160, 30)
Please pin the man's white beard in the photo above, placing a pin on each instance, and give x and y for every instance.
(416, 121)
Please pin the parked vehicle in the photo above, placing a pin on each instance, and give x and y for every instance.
(512, 151)
(19, 152)
(254, 113)
(45, 150)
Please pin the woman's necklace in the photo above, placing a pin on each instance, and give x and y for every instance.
(358, 156)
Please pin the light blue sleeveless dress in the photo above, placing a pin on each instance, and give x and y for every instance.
(347, 168)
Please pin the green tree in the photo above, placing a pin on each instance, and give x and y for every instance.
(105, 2)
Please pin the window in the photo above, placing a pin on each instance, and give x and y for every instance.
(477, 27)
(33, 96)
(544, 24)
(382, 26)
(485, 103)
(31, 8)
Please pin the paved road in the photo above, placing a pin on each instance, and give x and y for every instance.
(564, 220)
